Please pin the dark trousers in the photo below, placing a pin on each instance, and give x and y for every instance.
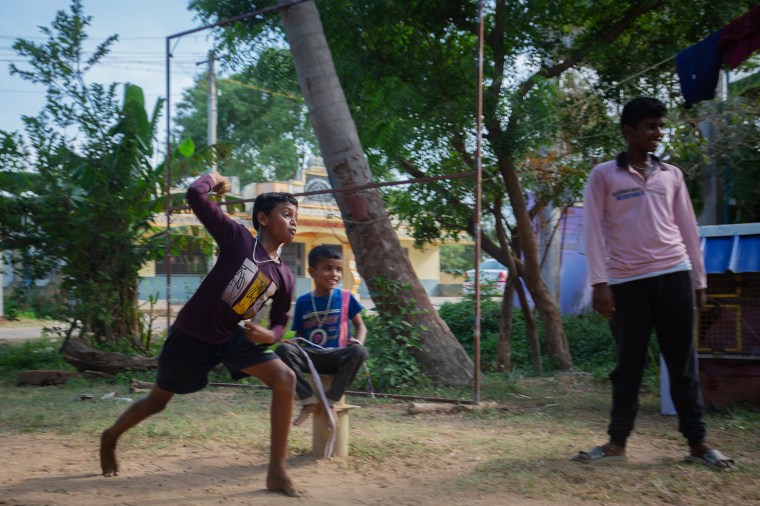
(665, 303)
(342, 363)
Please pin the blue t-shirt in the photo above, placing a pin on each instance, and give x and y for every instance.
(307, 323)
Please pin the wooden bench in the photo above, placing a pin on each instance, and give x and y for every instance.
(320, 420)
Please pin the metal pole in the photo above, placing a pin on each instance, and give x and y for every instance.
(228, 21)
(352, 188)
(478, 184)
(399, 397)
(168, 188)
(168, 207)
(211, 133)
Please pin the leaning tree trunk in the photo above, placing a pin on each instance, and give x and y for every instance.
(530, 331)
(504, 348)
(374, 241)
(556, 341)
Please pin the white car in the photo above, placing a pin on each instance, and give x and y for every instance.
(491, 273)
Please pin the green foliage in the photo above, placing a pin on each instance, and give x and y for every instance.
(460, 316)
(84, 190)
(588, 334)
(16, 304)
(24, 302)
(457, 258)
(555, 73)
(591, 342)
(733, 151)
(263, 128)
(36, 354)
(392, 344)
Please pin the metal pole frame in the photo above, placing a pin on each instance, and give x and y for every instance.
(478, 207)
(168, 197)
(478, 172)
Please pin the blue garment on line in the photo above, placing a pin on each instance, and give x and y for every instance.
(698, 67)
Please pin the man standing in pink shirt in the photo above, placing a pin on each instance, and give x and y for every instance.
(645, 266)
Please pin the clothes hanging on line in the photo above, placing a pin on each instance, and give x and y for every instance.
(740, 38)
(698, 68)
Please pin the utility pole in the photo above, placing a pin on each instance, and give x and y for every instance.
(2, 283)
(712, 191)
(212, 109)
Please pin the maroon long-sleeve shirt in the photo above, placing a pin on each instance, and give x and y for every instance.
(236, 288)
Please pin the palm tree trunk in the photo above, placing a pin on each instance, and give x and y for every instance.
(374, 241)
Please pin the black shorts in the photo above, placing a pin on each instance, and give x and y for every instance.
(184, 362)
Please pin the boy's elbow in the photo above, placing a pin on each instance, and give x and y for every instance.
(193, 193)
(193, 197)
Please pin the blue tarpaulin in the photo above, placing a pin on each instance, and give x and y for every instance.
(726, 249)
(731, 248)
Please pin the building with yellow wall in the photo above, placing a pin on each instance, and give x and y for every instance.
(319, 222)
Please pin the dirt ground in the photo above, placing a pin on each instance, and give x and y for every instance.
(45, 469)
(517, 456)
(51, 470)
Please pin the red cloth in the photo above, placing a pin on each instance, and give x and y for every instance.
(741, 37)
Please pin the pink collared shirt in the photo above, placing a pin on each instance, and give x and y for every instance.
(634, 226)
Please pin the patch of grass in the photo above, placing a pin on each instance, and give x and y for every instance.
(521, 447)
(35, 354)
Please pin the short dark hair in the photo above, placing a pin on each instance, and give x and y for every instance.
(640, 108)
(265, 202)
(322, 252)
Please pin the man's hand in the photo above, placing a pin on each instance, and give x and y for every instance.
(603, 301)
(221, 183)
(258, 334)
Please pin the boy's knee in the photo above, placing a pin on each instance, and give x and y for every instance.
(359, 351)
(155, 405)
(285, 378)
(285, 351)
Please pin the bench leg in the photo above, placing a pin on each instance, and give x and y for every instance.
(320, 434)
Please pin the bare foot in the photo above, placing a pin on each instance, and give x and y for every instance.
(108, 461)
(281, 482)
(306, 410)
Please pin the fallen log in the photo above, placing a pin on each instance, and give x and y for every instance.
(83, 357)
(46, 377)
(420, 408)
(137, 386)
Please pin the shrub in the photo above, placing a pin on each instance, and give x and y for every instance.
(591, 344)
(37, 354)
(392, 343)
(460, 317)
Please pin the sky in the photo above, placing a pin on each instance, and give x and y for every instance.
(137, 57)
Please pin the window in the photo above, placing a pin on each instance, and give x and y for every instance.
(293, 256)
(190, 262)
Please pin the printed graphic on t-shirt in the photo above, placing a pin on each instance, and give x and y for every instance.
(248, 290)
(330, 326)
(628, 193)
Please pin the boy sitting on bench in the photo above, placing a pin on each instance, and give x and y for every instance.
(321, 320)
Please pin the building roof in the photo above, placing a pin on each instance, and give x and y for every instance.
(731, 248)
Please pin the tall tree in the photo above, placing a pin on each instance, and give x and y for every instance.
(555, 73)
(263, 127)
(379, 256)
(84, 191)
(372, 236)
